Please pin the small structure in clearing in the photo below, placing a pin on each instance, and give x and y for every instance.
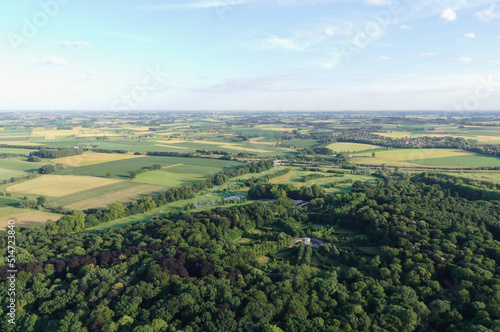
(315, 243)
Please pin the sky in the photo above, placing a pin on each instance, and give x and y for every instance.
(276, 55)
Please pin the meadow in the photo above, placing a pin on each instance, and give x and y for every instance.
(425, 157)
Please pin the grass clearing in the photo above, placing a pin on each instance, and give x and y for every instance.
(92, 159)
(59, 185)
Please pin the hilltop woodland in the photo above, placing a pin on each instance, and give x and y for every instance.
(437, 268)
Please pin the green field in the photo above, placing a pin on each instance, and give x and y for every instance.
(426, 157)
(122, 191)
(121, 169)
(8, 202)
(352, 147)
(20, 164)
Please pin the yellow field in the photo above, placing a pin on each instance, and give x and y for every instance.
(172, 146)
(351, 147)
(395, 134)
(487, 138)
(256, 140)
(102, 133)
(77, 131)
(232, 146)
(121, 196)
(32, 217)
(59, 185)
(52, 133)
(276, 128)
(174, 141)
(18, 143)
(92, 159)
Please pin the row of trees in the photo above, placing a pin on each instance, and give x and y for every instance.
(133, 174)
(56, 153)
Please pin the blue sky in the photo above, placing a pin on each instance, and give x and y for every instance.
(250, 55)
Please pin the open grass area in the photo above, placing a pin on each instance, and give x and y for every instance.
(20, 164)
(59, 185)
(93, 159)
(6, 174)
(16, 151)
(352, 147)
(425, 157)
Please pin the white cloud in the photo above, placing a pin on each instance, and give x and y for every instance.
(405, 27)
(329, 32)
(470, 35)
(74, 44)
(487, 15)
(448, 15)
(49, 60)
(464, 60)
(377, 2)
(382, 58)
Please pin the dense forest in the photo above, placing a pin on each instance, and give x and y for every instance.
(436, 268)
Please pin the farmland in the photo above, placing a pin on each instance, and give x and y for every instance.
(59, 185)
(121, 169)
(115, 148)
(351, 147)
(123, 191)
(92, 159)
(426, 157)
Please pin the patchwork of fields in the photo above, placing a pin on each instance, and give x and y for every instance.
(59, 185)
